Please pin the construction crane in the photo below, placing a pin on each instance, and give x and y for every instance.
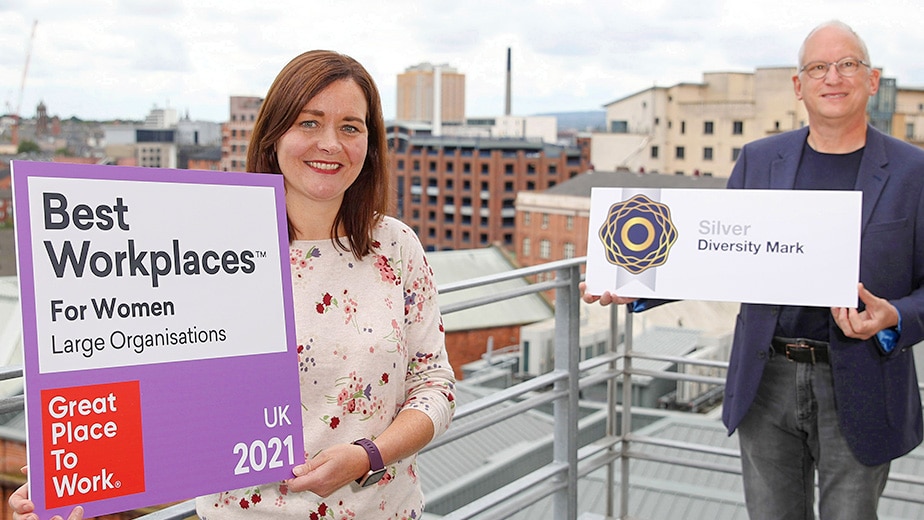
(22, 86)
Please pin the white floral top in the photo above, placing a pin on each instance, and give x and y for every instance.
(370, 342)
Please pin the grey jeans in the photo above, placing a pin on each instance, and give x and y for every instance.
(791, 431)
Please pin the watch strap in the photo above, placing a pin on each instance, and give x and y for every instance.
(375, 457)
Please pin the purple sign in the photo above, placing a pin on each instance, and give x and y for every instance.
(158, 334)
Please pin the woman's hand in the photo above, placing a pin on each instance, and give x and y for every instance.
(330, 470)
(24, 509)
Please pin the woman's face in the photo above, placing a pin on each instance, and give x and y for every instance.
(323, 152)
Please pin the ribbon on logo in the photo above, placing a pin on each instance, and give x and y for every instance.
(637, 236)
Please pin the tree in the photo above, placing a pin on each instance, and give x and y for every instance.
(27, 146)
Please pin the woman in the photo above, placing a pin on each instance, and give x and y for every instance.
(376, 385)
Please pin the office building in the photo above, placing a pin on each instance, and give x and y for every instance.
(418, 87)
(235, 134)
(460, 193)
(699, 128)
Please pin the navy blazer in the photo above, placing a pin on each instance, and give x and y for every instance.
(879, 405)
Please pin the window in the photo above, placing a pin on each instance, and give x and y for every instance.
(569, 250)
(527, 246)
(738, 127)
(569, 222)
(735, 153)
(654, 152)
(527, 218)
(909, 131)
(683, 127)
(545, 249)
(679, 152)
(707, 128)
(707, 153)
(545, 220)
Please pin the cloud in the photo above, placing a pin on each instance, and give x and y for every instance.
(104, 59)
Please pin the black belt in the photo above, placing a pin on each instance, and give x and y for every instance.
(801, 350)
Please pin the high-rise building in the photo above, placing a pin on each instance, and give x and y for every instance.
(417, 86)
(235, 134)
(161, 118)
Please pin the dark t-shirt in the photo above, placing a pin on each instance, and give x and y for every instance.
(818, 171)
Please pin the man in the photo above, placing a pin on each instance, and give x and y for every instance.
(844, 400)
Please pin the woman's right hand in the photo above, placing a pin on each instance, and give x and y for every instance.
(24, 509)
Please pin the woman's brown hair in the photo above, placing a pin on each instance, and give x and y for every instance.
(366, 200)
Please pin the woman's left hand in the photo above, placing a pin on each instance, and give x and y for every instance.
(330, 470)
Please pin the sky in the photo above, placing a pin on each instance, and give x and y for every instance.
(118, 59)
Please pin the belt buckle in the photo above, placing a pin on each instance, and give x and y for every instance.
(800, 345)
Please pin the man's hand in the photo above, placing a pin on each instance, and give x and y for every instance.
(605, 299)
(878, 315)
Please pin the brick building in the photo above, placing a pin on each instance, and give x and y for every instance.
(460, 192)
(235, 134)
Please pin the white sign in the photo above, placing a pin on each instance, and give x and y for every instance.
(786, 247)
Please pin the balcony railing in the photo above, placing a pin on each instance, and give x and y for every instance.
(560, 389)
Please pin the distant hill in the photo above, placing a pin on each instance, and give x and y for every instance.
(581, 121)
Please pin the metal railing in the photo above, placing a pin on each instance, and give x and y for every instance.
(559, 388)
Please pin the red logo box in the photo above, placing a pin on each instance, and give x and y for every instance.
(93, 443)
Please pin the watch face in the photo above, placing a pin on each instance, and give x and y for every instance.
(373, 477)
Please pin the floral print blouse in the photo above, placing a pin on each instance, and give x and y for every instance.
(370, 344)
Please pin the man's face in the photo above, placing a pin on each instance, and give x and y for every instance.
(835, 98)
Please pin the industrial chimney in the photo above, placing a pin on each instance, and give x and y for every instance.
(507, 101)
(437, 101)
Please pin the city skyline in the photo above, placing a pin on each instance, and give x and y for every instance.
(98, 60)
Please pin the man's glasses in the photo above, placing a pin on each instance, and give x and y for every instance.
(846, 67)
